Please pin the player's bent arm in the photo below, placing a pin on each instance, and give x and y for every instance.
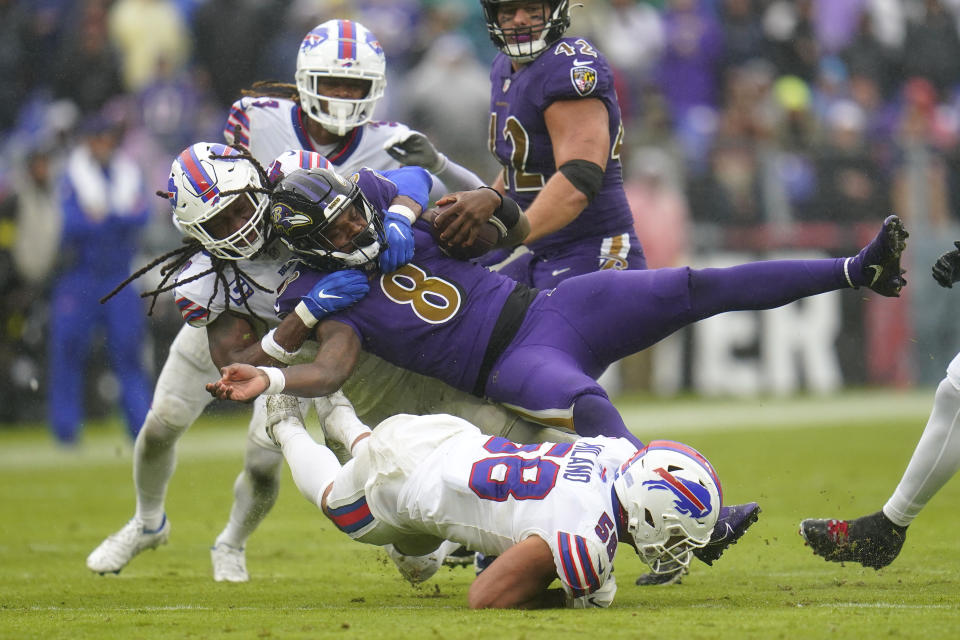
(458, 178)
(292, 332)
(335, 361)
(518, 579)
(579, 131)
(409, 203)
(232, 338)
(466, 211)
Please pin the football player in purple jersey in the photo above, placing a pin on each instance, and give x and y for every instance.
(537, 352)
(555, 127)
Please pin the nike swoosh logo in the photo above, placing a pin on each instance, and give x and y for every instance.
(325, 296)
(557, 272)
(877, 270)
(396, 227)
(580, 63)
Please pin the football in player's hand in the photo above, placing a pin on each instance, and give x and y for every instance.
(487, 237)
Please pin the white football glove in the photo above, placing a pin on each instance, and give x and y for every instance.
(414, 148)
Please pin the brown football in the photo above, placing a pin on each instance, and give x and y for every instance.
(486, 239)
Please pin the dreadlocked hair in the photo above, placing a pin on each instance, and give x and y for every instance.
(243, 154)
(273, 89)
(191, 246)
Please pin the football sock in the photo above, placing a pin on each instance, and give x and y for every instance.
(762, 285)
(254, 492)
(154, 460)
(934, 461)
(343, 424)
(313, 466)
(594, 415)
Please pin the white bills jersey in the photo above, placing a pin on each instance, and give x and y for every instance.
(269, 126)
(439, 475)
(200, 304)
(203, 300)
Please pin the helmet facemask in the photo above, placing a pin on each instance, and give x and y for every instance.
(309, 210)
(671, 496)
(340, 49)
(523, 44)
(245, 242)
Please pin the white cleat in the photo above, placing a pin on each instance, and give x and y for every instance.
(119, 549)
(280, 407)
(229, 563)
(417, 569)
(338, 419)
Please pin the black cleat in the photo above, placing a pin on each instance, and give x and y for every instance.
(872, 540)
(731, 525)
(877, 266)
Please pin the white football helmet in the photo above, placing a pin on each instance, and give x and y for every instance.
(671, 495)
(519, 43)
(340, 49)
(197, 182)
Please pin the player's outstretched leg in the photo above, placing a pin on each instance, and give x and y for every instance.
(117, 550)
(873, 541)
(877, 266)
(731, 525)
(733, 522)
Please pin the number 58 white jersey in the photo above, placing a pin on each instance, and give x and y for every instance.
(441, 476)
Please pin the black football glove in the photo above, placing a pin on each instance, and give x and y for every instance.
(946, 270)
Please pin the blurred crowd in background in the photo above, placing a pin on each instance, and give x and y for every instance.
(751, 125)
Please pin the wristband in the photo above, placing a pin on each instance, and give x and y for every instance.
(403, 210)
(277, 381)
(308, 320)
(499, 195)
(270, 347)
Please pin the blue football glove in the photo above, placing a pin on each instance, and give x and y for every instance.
(400, 242)
(332, 293)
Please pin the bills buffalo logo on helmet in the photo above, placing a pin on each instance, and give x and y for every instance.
(374, 43)
(691, 498)
(314, 39)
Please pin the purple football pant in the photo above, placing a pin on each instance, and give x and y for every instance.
(572, 333)
(547, 269)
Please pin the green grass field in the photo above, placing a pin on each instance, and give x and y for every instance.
(838, 456)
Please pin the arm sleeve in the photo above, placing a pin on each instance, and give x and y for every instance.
(455, 177)
(413, 182)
